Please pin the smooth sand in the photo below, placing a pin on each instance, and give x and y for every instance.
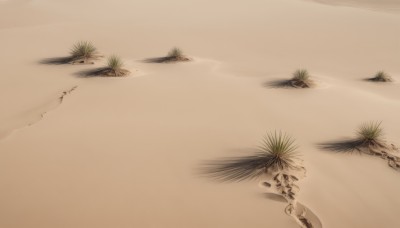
(124, 152)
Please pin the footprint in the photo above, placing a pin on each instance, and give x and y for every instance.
(307, 217)
(303, 215)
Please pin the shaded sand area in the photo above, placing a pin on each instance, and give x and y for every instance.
(124, 152)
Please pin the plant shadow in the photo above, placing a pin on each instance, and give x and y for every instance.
(166, 59)
(234, 169)
(56, 60)
(157, 60)
(278, 84)
(374, 80)
(98, 72)
(342, 146)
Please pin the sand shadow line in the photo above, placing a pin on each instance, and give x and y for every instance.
(98, 72)
(157, 60)
(342, 146)
(234, 169)
(281, 83)
(166, 59)
(57, 60)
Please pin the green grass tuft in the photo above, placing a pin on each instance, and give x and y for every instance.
(301, 75)
(175, 53)
(279, 151)
(370, 132)
(83, 50)
(114, 63)
(381, 76)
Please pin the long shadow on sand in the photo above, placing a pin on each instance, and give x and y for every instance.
(102, 72)
(157, 60)
(98, 72)
(57, 60)
(277, 84)
(166, 59)
(342, 146)
(233, 169)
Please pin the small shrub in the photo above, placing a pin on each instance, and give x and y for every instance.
(114, 63)
(279, 151)
(83, 50)
(301, 75)
(175, 53)
(381, 77)
(370, 132)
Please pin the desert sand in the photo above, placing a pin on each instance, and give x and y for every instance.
(80, 152)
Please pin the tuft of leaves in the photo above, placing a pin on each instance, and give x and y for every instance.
(83, 50)
(370, 132)
(279, 151)
(175, 53)
(381, 76)
(301, 75)
(114, 63)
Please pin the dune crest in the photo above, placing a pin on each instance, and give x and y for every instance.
(392, 6)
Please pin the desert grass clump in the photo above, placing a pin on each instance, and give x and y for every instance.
(114, 63)
(371, 142)
(114, 67)
(370, 133)
(176, 54)
(301, 75)
(278, 151)
(381, 76)
(83, 52)
(301, 79)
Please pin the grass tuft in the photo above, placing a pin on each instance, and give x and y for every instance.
(175, 53)
(370, 132)
(301, 75)
(115, 63)
(279, 151)
(381, 76)
(83, 50)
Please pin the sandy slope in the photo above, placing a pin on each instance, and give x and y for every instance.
(381, 5)
(124, 152)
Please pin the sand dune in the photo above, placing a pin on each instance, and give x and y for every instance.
(381, 5)
(124, 152)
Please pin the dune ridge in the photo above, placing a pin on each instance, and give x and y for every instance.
(391, 6)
